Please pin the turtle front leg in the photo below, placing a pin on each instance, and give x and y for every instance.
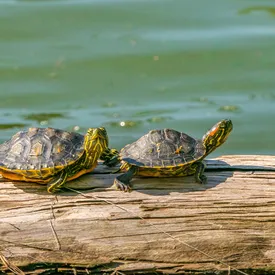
(109, 154)
(111, 162)
(122, 182)
(57, 181)
(199, 173)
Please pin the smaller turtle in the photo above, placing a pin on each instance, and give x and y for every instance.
(52, 156)
(168, 153)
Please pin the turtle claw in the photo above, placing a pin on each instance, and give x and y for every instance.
(119, 185)
(52, 190)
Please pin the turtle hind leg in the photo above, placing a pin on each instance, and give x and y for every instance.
(57, 181)
(122, 182)
(199, 176)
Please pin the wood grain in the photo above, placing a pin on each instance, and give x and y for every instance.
(168, 225)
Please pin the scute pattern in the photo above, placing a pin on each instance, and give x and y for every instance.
(41, 148)
(163, 148)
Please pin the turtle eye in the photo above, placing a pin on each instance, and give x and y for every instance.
(103, 130)
(90, 131)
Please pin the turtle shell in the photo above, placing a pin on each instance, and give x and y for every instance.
(163, 148)
(46, 150)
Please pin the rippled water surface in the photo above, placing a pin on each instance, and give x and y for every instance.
(137, 65)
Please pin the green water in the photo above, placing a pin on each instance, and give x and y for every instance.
(183, 64)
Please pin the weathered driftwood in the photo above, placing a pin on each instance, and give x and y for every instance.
(169, 225)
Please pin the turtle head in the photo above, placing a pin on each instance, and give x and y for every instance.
(217, 135)
(96, 142)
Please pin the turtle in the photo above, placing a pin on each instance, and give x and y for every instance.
(53, 156)
(168, 153)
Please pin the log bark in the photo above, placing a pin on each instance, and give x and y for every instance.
(165, 226)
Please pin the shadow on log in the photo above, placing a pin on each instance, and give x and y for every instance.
(165, 226)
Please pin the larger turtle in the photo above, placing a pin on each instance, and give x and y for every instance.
(168, 153)
(52, 156)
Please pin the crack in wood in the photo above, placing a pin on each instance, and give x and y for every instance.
(231, 219)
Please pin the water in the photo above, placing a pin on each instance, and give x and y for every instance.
(137, 65)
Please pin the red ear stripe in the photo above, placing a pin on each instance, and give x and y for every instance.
(213, 131)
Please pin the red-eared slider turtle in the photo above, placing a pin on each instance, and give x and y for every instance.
(168, 153)
(52, 156)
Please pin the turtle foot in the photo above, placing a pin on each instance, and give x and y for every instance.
(122, 186)
(203, 179)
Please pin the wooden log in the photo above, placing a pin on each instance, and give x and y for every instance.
(165, 226)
